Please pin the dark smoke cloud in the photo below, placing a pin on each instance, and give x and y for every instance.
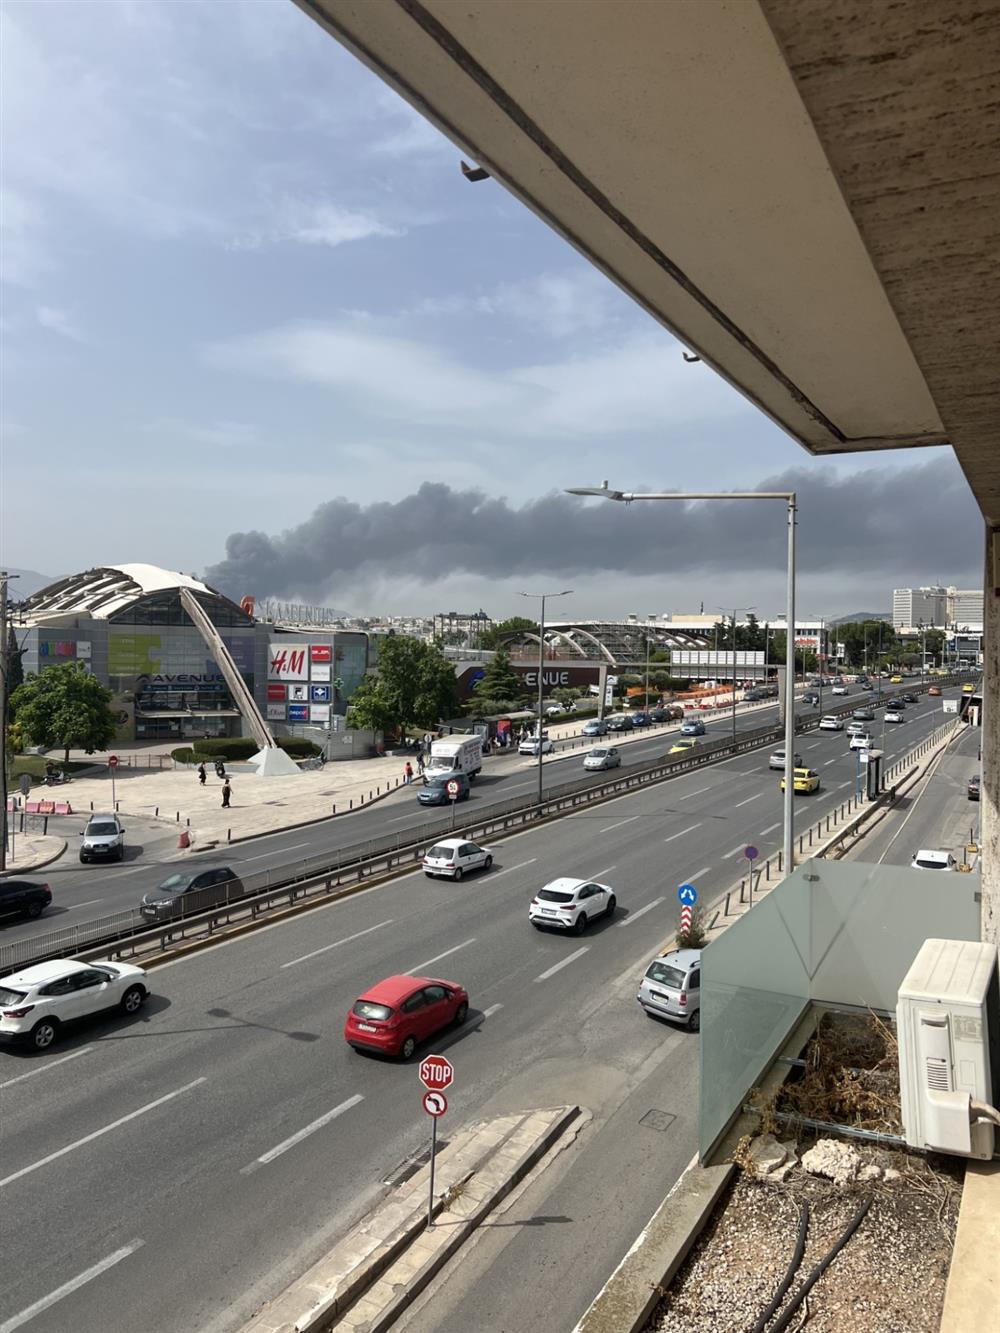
(911, 522)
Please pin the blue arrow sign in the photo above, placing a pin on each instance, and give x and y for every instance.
(688, 894)
(750, 852)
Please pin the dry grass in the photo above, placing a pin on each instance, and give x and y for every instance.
(851, 1076)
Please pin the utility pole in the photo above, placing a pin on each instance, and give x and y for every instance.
(4, 667)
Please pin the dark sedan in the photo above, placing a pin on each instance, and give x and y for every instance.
(23, 897)
(973, 787)
(189, 891)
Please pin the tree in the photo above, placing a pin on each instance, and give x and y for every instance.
(15, 666)
(65, 705)
(414, 686)
(486, 707)
(500, 680)
(506, 630)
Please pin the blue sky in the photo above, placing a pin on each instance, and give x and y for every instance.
(241, 278)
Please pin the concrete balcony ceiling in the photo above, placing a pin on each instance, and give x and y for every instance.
(806, 192)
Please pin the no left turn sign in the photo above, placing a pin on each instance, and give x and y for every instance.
(435, 1103)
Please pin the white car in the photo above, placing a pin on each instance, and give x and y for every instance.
(571, 904)
(928, 858)
(530, 746)
(605, 756)
(38, 1001)
(894, 715)
(555, 710)
(840, 689)
(831, 723)
(862, 741)
(454, 856)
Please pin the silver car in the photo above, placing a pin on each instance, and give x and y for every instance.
(103, 839)
(777, 760)
(671, 987)
(605, 756)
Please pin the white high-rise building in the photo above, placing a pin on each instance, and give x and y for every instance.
(919, 606)
(965, 607)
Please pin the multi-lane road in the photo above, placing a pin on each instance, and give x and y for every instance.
(82, 893)
(173, 1171)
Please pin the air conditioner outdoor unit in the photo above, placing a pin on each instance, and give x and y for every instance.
(948, 1027)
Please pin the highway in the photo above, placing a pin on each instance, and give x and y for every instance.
(82, 893)
(172, 1171)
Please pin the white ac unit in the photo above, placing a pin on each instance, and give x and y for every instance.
(942, 1023)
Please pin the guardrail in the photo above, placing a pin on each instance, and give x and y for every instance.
(129, 934)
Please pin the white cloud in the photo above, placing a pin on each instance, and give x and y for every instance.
(315, 223)
(60, 322)
(639, 383)
(561, 305)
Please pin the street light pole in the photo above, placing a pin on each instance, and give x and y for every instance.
(626, 497)
(543, 596)
(748, 609)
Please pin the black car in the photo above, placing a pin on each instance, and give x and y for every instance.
(435, 789)
(810, 699)
(659, 715)
(622, 723)
(973, 788)
(22, 897)
(188, 891)
(640, 719)
(908, 698)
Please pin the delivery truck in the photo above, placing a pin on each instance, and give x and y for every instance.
(455, 754)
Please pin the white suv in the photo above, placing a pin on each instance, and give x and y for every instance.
(38, 1000)
(831, 723)
(929, 858)
(103, 839)
(862, 742)
(571, 904)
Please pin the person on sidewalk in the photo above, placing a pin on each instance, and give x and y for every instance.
(227, 792)
(202, 776)
(420, 764)
(408, 773)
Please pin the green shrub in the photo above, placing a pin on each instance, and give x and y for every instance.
(227, 747)
(298, 747)
(186, 755)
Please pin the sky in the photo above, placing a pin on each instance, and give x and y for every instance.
(256, 325)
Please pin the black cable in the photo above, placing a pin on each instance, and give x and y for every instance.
(786, 1318)
(790, 1271)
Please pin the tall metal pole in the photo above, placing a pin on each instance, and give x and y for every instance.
(541, 668)
(645, 702)
(4, 664)
(734, 675)
(789, 809)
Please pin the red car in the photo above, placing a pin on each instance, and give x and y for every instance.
(394, 1016)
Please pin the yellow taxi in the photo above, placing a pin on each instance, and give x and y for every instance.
(895, 680)
(968, 688)
(682, 746)
(803, 780)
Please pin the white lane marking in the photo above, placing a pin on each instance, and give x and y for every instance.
(278, 851)
(507, 870)
(697, 874)
(493, 1009)
(842, 785)
(694, 793)
(89, 903)
(770, 829)
(815, 745)
(570, 958)
(303, 1134)
(89, 1138)
(437, 957)
(738, 848)
(67, 1288)
(336, 944)
(41, 1069)
(634, 916)
(609, 827)
(828, 762)
(691, 829)
(748, 800)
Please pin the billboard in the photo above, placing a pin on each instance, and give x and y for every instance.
(320, 713)
(319, 694)
(298, 694)
(275, 692)
(285, 663)
(275, 712)
(320, 672)
(298, 712)
(321, 652)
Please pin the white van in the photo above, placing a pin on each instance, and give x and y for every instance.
(455, 754)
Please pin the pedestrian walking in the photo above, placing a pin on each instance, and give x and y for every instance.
(408, 773)
(202, 775)
(227, 792)
(420, 764)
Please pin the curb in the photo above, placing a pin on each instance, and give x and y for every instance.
(37, 865)
(637, 1285)
(355, 1285)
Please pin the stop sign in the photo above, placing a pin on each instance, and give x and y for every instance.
(436, 1073)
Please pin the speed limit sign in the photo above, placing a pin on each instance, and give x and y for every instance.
(453, 788)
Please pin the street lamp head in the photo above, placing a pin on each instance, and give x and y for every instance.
(601, 490)
(565, 593)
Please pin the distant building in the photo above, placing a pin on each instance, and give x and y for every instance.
(965, 608)
(469, 624)
(919, 606)
(128, 625)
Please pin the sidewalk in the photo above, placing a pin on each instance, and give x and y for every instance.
(32, 851)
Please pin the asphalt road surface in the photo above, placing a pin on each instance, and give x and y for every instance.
(172, 1171)
(83, 893)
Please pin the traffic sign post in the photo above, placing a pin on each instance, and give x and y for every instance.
(112, 765)
(452, 788)
(751, 853)
(436, 1073)
(687, 895)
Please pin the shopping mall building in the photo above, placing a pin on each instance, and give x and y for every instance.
(128, 624)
